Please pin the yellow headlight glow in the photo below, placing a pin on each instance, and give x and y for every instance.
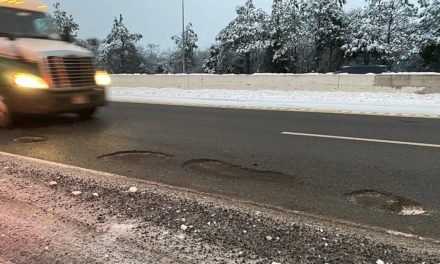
(26, 80)
(102, 78)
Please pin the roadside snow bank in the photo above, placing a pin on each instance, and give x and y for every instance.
(351, 102)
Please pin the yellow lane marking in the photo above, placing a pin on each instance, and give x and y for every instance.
(362, 139)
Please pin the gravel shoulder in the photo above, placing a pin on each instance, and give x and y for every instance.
(51, 213)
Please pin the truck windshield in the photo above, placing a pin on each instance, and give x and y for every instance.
(26, 24)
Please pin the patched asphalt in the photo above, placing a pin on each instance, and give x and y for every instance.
(122, 220)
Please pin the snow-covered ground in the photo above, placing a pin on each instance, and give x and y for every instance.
(350, 102)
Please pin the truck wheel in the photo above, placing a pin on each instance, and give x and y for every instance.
(86, 113)
(5, 115)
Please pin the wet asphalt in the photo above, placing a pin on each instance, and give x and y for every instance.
(242, 154)
(56, 214)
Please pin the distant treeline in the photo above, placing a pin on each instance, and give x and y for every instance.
(298, 36)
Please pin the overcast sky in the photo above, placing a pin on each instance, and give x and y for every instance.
(158, 20)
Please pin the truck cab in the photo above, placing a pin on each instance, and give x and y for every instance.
(39, 73)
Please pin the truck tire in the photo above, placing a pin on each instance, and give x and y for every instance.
(86, 113)
(5, 115)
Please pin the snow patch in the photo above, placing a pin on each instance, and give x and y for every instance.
(413, 210)
(396, 233)
(133, 189)
(357, 102)
(120, 229)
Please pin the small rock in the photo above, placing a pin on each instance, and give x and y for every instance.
(133, 189)
(76, 193)
(46, 248)
(379, 261)
(325, 245)
(53, 183)
(95, 194)
(183, 227)
(181, 236)
(183, 219)
(276, 262)
(269, 238)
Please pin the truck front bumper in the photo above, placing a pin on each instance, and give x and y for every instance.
(52, 101)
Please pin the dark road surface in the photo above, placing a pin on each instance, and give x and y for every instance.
(242, 154)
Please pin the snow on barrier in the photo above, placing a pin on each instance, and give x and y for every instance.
(389, 83)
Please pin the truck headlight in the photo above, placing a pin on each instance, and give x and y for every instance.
(27, 80)
(102, 78)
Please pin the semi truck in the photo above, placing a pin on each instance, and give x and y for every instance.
(40, 73)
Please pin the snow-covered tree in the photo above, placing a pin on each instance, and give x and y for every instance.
(212, 64)
(245, 37)
(429, 34)
(189, 47)
(91, 44)
(325, 28)
(383, 32)
(66, 25)
(286, 35)
(151, 58)
(118, 50)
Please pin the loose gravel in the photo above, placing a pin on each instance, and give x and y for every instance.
(162, 224)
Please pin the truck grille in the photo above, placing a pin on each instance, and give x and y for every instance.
(71, 72)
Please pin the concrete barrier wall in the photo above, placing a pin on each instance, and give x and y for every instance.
(408, 83)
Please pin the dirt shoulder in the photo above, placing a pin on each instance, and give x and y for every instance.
(52, 213)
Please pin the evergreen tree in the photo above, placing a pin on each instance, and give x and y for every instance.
(91, 44)
(245, 36)
(188, 47)
(429, 35)
(325, 27)
(118, 51)
(66, 25)
(212, 64)
(286, 35)
(384, 32)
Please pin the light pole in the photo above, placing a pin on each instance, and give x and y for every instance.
(183, 36)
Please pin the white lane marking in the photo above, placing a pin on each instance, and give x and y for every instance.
(363, 139)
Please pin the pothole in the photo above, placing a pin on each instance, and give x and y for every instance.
(223, 169)
(30, 139)
(386, 202)
(134, 156)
